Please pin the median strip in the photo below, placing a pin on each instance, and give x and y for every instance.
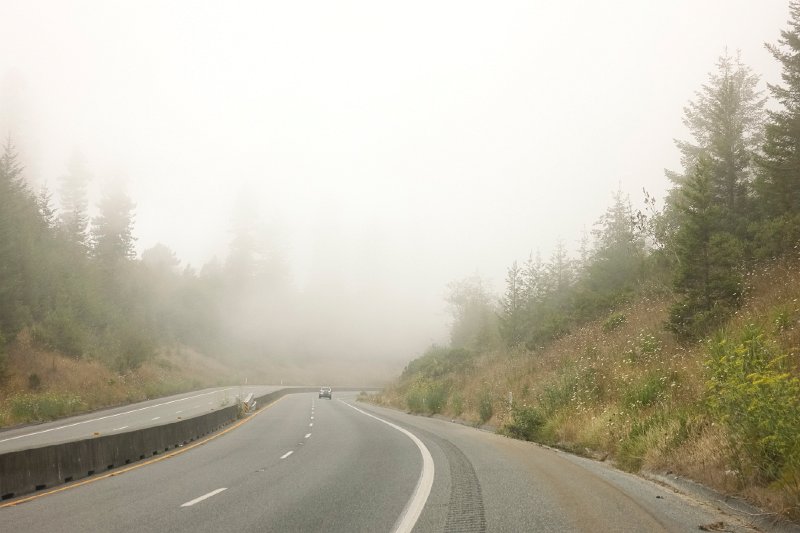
(108, 416)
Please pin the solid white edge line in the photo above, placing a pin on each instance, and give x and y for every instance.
(413, 509)
(203, 497)
(287, 454)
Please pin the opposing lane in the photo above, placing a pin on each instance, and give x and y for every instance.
(125, 418)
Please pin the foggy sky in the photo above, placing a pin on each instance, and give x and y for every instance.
(395, 146)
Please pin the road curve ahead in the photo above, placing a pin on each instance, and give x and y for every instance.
(306, 464)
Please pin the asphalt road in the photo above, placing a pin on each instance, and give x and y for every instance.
(305, 464)
(125, 418)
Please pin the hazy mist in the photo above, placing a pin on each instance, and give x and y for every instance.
(375, 151)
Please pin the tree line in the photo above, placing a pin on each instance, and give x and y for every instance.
(734, 202)
(75, 283)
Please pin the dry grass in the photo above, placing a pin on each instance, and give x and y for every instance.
(34, 373)
(69, 385)
(633, 393)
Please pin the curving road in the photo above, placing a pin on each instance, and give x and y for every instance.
(305, 464)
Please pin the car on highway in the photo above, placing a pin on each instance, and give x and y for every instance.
(325, 392)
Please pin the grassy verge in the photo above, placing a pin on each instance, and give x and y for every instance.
(41, 385)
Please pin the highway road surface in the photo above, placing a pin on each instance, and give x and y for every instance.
(125, 418)
(305, 464)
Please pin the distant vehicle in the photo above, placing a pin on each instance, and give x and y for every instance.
(325, 392)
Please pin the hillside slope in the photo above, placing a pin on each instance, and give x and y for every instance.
(725, 411)
(40, 384)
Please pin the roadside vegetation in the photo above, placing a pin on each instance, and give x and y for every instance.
(671, 340)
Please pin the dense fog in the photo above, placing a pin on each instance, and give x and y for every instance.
(335, 165)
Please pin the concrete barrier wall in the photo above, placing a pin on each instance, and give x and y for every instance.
(26, 471)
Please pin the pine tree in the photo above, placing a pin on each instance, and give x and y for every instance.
(112, 230)
(708, 279)
(44, 202)
(619, 246)
(74, 201)
(19, 228)
(12, 190)
(725, 122)
(512, 319)
(780, 184)
(617, 261)
(559, 271)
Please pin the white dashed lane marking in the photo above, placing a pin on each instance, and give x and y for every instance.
(287, 454)
(203, 497)
(307, 435)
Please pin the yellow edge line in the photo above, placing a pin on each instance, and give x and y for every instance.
(145, 463)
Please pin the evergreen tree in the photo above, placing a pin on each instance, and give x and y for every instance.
(74, 201)
(112, 230)
(559, 271)
(532, 280)
(512, 319)
(619, 246)
(778, 183)
(616, 264)
(708, 279)
(44, 202)
(725, 122)
(19, 228)
(11, 192)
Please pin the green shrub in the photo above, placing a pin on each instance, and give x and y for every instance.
(457, 403)
(34, 382)
(614, 321)
(560, 392)
(415, 397)
(647, 392)
(526, 423)
(438, 361)
(485, 406)
(753, 392)
(782, 320)
(131, 348)
(437, 397)
(649, 344)
(62, 330)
